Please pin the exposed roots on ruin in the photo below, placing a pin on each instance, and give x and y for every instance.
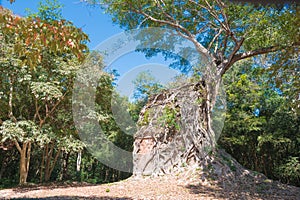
(174, 131)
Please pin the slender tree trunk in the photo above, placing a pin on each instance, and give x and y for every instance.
(23, 170)
(64, 174)
(50, 161)
(10, 99)
(106, 175)
(78, 163)
(48, 156)
(25, 150)
(24, 162)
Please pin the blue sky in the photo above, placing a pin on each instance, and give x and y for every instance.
(100, 28)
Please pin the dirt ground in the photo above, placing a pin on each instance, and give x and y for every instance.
(165, 187)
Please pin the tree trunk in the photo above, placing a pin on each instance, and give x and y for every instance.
(23, 170)
(48, 161)
(106, 175)
(175, 130)
(48, 157)
(78, 163)
(64, 171)
(25, 150)
(10, 99)
(24, 162)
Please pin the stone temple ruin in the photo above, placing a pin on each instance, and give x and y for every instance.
(172, 130)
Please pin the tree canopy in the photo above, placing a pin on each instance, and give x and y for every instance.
(224, 31)
(30, 36)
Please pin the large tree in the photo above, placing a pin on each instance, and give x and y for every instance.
(39, 58)
(222, 31)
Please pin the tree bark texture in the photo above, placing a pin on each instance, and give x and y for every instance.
(24, 161)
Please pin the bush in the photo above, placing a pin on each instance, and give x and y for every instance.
(289, 172)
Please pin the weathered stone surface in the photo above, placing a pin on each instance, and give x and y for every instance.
(173, 131)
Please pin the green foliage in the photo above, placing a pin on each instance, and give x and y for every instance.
(29, 37)
(272, 141)
(36, 89)
(21, 131)
(146, 85)
(284, 74)
(48, 10)
(221, 27)
(45, 91)
(289, 171)
(265, 26)
(261, 129)
(135, 108)
(145, 121)
(39, 58)
(70, 144)
(169, 118)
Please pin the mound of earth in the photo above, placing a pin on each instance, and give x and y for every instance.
(218, 177)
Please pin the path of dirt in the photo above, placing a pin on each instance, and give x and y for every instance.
(166, 187)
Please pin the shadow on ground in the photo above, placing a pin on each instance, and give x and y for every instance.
(77, 198)
(257, 191)
(51, 186)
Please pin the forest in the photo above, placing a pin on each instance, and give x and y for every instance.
(255, 49)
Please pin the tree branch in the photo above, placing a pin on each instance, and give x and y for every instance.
(28, 155)
(10, 98)
(163, 11)
(248, 54)
(212, 13)
(228, 64)
(188, 35)
(54, 161)
(37, 110)
(214, 39)
(256, 52)
(49, 112)
(215, 15)
(224, 45)
(18, 146)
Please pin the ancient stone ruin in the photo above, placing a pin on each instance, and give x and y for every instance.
(173, 131)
